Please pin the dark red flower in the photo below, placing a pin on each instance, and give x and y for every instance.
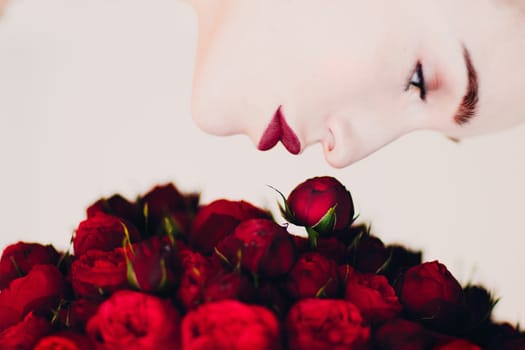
(218, 219)
(96, 273)
(103, 232)
(74, 315)
(162, 202)
(458, 344)
(400, 259)
(196, 270)
(368, 254)
(313, 275)
(134, 320)
(230, 324)
(429, 292)
(25, 334)
(66, 340)
(329, 247)
(152, 265)
(373, 295)
(400, 334)
(18, 259)
(260, 246)
(233, 285)
(326, 324)
(120, 207)
(38, 292)
(311, 200)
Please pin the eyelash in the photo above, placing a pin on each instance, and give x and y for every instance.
(420, 83)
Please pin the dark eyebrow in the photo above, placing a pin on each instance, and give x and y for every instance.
(467, 107)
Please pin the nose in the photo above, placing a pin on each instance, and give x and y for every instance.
(338, 145)
(346, 142)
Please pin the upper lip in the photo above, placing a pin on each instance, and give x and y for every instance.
(279, 130)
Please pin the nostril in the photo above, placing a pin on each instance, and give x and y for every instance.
(329, 141)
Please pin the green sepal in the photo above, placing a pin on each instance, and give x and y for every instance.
(285, 210)
(172, 229)
(130, 274)
(313, 236)
(327, 222)
(321, 292)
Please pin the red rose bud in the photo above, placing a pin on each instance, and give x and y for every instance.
(161, 202)
(103, 232)
(218, 219)
(196, 270)
(400, 259)
(458, 344)
(430, 293)
(38, 292)
(65, 341)
(231, 285)
(313, 203)
(478, 303)
(25, 334)
(400, 334)
(74, 315)
(368, 254)
(152, 265)
(273, 297)
(373, 295)
(313, 275)
(329, 247)
(118, 206)
(325, 324)
(230, 324)
(134, 320)
(96, 273)
(260, 246)
(18, 259)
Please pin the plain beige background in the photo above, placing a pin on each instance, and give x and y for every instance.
(94, 99)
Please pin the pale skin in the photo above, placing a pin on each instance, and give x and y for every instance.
(356, 75)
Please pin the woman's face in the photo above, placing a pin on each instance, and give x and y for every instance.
(353, 75)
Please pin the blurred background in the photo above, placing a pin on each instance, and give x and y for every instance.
(94, 99)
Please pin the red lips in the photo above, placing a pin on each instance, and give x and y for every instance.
(279, 130)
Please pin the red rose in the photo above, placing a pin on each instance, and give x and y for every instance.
(18, 259)
(429, 292)
(458, 344)
(311, 200)
(118, 206)
(400, 259)
(373, 295)
(478, 303)
(230, 324)
(103, 232)
(153, 265)
(75, 315)
(329, 247)
(25, 334)
(313, 275)
(97, 273)
(134, 320)
(399, 334)
(368, 254)
(38, 292)
(262, 247)
(65, 341)
(217, 220)
(273, 297)
(196, 270)
(233, 285)
(162, 202)
(331, 324)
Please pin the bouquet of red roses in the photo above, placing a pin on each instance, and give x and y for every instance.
(164, 272)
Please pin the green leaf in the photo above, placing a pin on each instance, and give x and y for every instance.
(327, 222)
(285, 210)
